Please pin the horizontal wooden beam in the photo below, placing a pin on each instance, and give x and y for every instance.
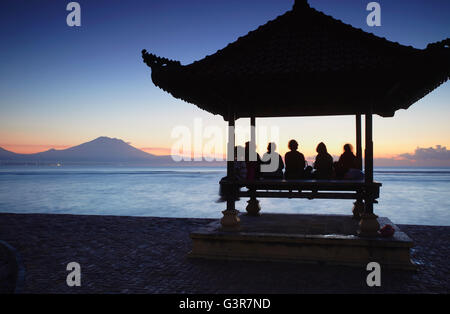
(309, 195)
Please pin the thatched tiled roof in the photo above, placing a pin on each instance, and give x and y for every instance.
(306, 63)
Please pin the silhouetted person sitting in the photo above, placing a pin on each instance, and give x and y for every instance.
(240, 173)
(253, 162)
(272, 163)
(324, 163)
(295, 162)
(346, 162)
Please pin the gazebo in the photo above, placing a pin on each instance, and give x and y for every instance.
(306, 63)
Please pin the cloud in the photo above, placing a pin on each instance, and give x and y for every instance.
(439, 153)
(438, 156)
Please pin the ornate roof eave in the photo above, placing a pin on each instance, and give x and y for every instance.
(418, 72)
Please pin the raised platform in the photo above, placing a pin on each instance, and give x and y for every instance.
(302, 238)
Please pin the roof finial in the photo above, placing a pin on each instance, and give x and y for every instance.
(300, 4)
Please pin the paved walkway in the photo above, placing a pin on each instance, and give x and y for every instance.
(148, 255)
(8, 269)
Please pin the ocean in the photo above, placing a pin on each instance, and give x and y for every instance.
(408, 196)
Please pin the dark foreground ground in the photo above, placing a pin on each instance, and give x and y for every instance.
(149, 255)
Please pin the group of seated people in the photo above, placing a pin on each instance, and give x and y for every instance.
(295, 166)
(247, 167)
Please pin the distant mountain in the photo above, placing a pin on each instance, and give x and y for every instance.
(100, 150)
(5, 154)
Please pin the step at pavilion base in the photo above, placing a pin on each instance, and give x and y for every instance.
(329, 239)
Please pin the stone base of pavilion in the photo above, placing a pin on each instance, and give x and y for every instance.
(327, 239)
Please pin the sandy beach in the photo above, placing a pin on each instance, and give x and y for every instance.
(149, 255)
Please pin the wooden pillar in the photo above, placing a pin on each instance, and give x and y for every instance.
(368, 160)
(230, 146)
(358, 141)
(253, 206)
(368, 225)
(230, 219)
(253, 133)
(358, 206)
(252, 145)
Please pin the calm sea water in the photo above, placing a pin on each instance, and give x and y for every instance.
(408, 196)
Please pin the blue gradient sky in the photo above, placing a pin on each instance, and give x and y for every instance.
(61, 86)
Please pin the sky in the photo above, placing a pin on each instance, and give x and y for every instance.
(61, 86)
